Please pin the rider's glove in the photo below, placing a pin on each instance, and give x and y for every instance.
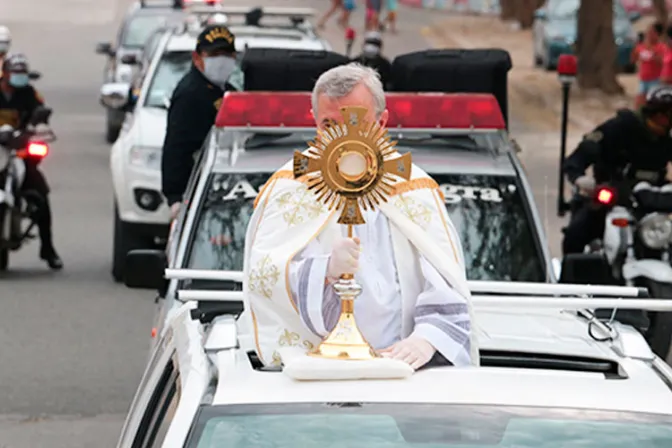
(585, 184)
(413, 350)
(344, 258)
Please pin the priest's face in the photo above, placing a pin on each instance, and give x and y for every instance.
(329, 109)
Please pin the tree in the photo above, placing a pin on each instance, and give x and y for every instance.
(507, 9)
(596, 47)
(660, 10)
(524, 10)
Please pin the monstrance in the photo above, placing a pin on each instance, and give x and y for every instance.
(351, 166)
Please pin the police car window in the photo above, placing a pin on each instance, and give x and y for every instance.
(496, 232)
(140, 28)
(489, 213)
(218, 241)
(171, 69)
(425, 426)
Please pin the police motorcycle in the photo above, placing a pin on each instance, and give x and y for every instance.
(637, 246)
(17, 207)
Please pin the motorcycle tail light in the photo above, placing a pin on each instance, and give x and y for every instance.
(620, 222)
(605, 196)
(37, 149)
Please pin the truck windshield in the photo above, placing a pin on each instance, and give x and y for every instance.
(489, 212)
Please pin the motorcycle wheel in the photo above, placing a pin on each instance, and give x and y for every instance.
(659, 334)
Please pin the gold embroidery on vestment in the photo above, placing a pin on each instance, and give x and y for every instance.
(417, 212)
(299, 206)
(264, 277)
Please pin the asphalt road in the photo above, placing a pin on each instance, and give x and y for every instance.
(73, 345)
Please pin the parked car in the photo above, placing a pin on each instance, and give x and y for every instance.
(555, 27)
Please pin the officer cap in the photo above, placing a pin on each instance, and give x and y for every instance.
(373, 38)
(216, 37)
(659, 99)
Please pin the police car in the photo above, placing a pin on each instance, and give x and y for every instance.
(142, 216)
(141, 20)
(469, 154)
(550, 375)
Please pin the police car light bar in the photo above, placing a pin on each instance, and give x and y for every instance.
(406, 111)
(202, 274)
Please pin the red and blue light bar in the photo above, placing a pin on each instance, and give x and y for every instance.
(407, 111)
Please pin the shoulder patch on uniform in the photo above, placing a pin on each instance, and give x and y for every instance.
(594, 136)
(218, 103)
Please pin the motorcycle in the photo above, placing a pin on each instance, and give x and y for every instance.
(637, 245)
(17, 206)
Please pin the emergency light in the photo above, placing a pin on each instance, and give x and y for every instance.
(37, 149)
(408, 111)
(605, 196)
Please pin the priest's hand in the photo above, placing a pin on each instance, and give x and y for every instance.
(344, 258)
(413, 350)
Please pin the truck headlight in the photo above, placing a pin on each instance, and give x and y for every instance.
(655, 230)
(145, 157)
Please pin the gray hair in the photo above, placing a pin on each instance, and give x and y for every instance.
(341, 81)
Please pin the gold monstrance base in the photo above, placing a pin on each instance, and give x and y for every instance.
(346, 341)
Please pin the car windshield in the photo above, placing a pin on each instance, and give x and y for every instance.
(172, 67)
(354, 425)
(568, 9)
(140, 28)
(488, 211)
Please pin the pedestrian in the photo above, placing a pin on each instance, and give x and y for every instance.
(391, 17)
(348, 7)
(373, 14)
(648, 55)
(336, 6)
(666, 72)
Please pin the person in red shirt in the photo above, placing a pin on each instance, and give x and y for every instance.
(666, 73)
(649, 55)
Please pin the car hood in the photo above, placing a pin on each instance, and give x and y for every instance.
(149, 125)
(568, 28)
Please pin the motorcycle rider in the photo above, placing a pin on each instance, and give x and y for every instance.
(18, 102)
(5, 44)
(371, 56)
(632, 147)
(194, 106)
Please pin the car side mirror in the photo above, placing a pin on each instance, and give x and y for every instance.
(145, 269)
(114, 95)
(634, 16)
(129, 59)
(540, 14)
(105, 48)
(34, 76)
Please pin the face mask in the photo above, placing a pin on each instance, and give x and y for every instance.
(371, 50)
(19, 79)
(218, 69)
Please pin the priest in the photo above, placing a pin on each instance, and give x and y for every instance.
(415, 303)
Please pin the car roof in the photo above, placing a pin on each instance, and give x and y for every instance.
(432, 160)
(255, 37)
(638, 388)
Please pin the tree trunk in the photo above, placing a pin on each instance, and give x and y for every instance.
(660, 10)
(507, 9)
(596, 48)
(525, 12)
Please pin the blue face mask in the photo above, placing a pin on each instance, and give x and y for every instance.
(19, 79)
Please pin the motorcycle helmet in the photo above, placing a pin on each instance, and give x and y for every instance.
(659, 100)
(5, 40)
(15, 63)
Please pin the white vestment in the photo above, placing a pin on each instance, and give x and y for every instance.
(411, 271)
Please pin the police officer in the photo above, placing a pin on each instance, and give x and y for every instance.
(624, 150)
(18, 102)
(194, 106)
(372, 57)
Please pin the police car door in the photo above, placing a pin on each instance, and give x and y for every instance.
(156, 399)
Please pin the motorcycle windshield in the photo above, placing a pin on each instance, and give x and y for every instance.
(489, 212)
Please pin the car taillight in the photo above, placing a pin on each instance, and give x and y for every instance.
(37, 149)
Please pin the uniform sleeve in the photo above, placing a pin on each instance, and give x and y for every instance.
(594, 148)
(190, 119)
(317, 302)
(442, 317)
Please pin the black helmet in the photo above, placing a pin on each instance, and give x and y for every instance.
(659, 100)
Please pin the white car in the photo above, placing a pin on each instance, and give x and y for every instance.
(141, 215)
(549, 376)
